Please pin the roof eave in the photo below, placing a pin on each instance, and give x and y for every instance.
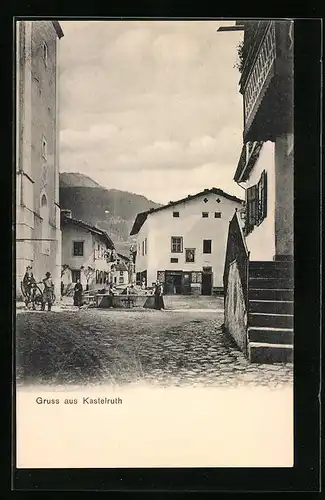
(244, 166)
(58, 29)
(138, 223)
(91, 229)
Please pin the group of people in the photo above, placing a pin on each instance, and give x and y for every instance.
(30, 287)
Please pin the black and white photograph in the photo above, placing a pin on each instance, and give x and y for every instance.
(154, 259)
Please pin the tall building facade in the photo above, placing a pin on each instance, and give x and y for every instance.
(258, 274)
(38, 235)
(183, 243)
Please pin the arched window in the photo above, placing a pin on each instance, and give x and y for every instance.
(44, 212)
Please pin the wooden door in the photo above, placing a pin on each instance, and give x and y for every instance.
(206, 284)
(186, 284)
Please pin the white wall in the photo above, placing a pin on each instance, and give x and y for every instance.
(161, 226)
(142, 260)
(72, 233)
(261, 241)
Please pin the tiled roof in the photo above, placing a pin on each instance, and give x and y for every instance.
(121, 267)
(88, 227)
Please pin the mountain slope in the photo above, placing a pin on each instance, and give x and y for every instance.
(110, 209)
(68, 179)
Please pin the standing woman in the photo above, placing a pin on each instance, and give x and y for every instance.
(159, 302)
(77, 296)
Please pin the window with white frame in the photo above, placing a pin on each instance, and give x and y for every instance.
(207, 246)
(177, 244)
(78, 248)
(189, 254)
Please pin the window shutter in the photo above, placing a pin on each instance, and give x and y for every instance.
(264, 177)
(251, 197)
(260, 200)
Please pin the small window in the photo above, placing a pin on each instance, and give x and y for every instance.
(207, 245)
(45, 53)
(44, 148)
(205, 215)
(217, 215)
(175, 214)
(78, 248)
(121, 273)
(177, 244)
(115, 279)
(174, 260)
(190, 255)
(121, 280)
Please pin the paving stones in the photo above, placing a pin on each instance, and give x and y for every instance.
(176, 351)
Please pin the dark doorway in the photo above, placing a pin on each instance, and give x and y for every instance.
(75, 275)
(206, 284)
(173, 283)
(186, 284)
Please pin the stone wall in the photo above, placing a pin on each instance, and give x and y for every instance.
(235, 308)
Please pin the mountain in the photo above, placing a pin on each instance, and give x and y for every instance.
(90, 202)
(68, 179)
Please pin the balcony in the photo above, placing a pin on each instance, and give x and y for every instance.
(266, 82)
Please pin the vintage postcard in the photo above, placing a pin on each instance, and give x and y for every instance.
(154, 243)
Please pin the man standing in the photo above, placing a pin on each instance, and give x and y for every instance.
(48, 293)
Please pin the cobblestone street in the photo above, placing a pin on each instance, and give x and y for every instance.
(168, 347)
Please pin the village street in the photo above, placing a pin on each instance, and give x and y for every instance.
(174, 346)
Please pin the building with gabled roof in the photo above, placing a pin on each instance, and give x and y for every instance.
(183, 243)
(86, 253)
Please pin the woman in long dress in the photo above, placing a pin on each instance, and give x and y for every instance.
(159, 301)
(77, 296)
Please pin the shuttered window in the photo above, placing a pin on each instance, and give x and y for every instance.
(264, 195)
(251, 204)
(256, 203)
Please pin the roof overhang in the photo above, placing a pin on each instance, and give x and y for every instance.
(138, 223)
(249, 156)
(231, 28)
(142, 216)
(58, 29)
(90, 228)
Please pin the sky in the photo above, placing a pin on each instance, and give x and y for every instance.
(151, 107)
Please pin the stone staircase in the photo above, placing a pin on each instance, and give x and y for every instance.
(270, 317)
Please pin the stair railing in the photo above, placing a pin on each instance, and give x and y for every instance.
(237, 251)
